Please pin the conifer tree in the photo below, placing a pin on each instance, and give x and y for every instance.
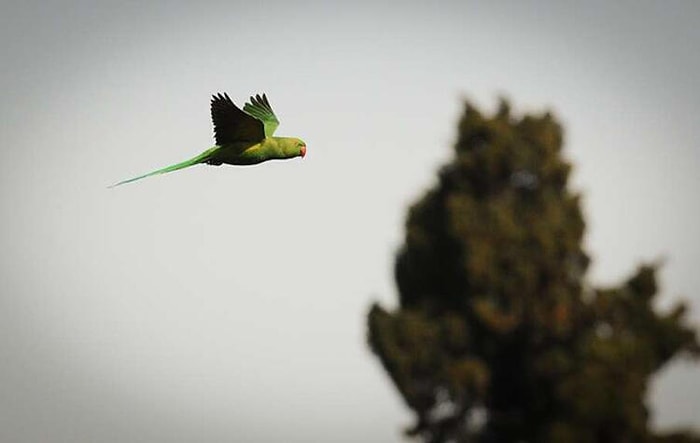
(498, 337)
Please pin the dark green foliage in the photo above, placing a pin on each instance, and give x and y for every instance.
(498, 338)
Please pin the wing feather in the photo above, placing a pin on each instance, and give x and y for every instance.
(259, 107)
(232, 125)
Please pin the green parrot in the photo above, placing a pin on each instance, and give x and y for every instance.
(242, 137)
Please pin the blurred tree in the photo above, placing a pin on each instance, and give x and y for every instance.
(498, 338)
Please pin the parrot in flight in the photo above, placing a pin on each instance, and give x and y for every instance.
(242, 137)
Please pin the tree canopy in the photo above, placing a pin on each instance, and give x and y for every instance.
(498, 336)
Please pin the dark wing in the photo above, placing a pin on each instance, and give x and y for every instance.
(260, 108)
(232, 125)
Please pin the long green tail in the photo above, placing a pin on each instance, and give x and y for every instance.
(201, 158)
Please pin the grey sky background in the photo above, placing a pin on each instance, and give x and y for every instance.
(228, 304)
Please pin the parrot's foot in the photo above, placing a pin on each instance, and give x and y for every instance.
(214, 162)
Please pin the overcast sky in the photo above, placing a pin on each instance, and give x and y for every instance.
(228, 304)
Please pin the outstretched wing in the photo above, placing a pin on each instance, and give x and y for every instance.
(260, 108)
(232, 125)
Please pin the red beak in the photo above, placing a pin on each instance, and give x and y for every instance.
(303, 151)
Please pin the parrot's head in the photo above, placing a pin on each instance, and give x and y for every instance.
(292, 147)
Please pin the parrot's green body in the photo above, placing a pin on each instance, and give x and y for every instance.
(243, 137)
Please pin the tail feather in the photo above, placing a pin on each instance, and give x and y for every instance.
(201, 158)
